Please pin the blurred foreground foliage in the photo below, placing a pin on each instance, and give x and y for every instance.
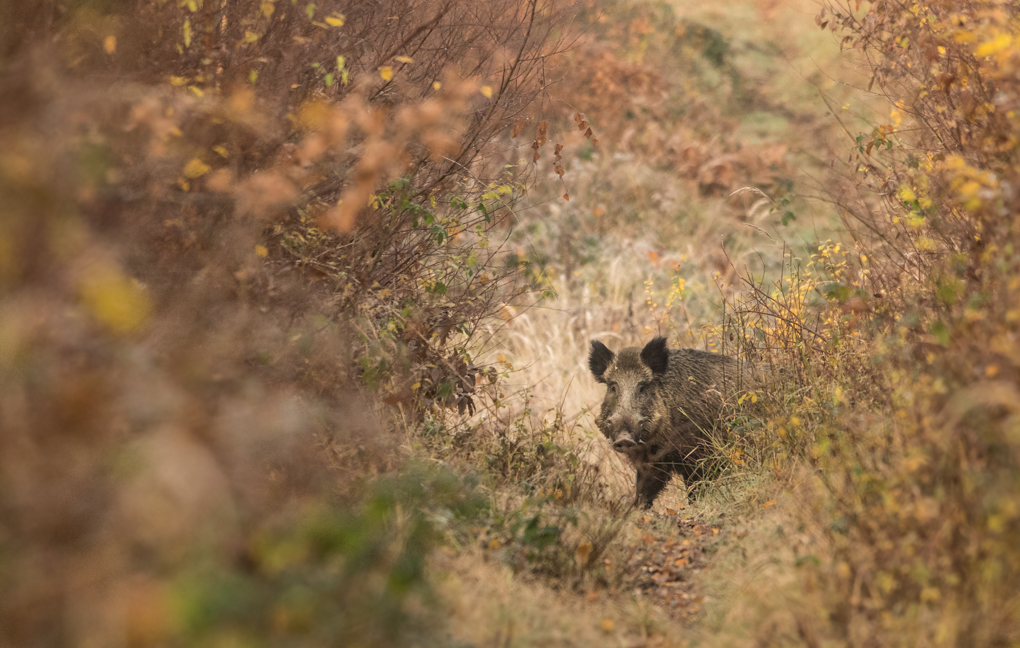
(242, 245)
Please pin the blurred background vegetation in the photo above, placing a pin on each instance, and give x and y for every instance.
(295, 301)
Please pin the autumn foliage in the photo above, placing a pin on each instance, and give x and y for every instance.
(293, 294)
(231, 233)
(905, 346)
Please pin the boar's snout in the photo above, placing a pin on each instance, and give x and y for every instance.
(624, 443)
(626, 423)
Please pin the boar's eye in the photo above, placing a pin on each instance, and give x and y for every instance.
(612, 388)
(642, 387)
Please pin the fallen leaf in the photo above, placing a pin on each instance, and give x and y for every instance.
(195, 168)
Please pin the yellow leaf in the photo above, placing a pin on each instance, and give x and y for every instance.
(930, 594)
(178, 81)
(261, 251)
(221, 151)
(404, 59)
(994, 46)
(110, 44)
(196, 168)
(607, 625)
(386, 72)
(336, 20)
(436, 85)
(116, 301)
(267, 9)
(187, 32)
(250, 37)
(769, 503)
(487, 91)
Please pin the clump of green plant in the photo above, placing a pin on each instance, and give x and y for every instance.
(323, 570)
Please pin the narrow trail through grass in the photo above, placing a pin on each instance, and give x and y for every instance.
(658, 230)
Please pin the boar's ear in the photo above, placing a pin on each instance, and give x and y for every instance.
(656, 355)
(599, 359)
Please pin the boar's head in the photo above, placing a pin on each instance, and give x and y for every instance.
(633, 408)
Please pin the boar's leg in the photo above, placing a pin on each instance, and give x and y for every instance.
(651, 479)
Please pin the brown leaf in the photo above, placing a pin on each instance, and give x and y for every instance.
(566, 196)
(518, 127)
(536, 156)
(595, 142)
(583, 125)
(588, 133)
(578, 117)
(559, 171)
(557, 149)
(543, 129)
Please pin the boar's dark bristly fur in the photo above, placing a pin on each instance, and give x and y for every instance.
(660, 406)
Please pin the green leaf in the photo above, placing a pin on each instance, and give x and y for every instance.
(837, 292)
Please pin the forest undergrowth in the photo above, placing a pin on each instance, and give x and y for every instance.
(296, 297)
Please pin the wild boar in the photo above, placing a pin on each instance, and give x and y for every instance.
(660, 407)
